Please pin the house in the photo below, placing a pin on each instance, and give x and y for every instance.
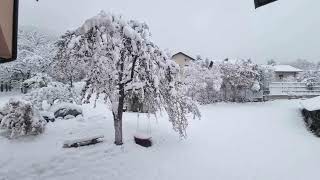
(285, 72)
(182, 59)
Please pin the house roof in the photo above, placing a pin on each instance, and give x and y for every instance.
(286, 68)
(184, 55)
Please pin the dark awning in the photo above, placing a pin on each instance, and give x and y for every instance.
(259, 3)
(8, 30)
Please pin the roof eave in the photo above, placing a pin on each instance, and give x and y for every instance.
(288, 71)
(184, 55)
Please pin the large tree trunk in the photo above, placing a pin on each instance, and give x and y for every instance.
(118, 131)
(234, 94)
(118, 119)
(118, 115)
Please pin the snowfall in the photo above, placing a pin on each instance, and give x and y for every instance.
(253, 141)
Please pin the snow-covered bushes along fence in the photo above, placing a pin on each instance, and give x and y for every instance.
(239, 81)
(43, 90)
(39, 80)
(55, 92)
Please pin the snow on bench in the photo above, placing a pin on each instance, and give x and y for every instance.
(83, 141)
(312, 104)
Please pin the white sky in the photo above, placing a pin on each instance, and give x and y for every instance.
(284, 30)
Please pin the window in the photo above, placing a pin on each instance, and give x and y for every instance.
(281, 76)
(186, 62)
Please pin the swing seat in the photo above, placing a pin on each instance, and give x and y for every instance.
(143, 140)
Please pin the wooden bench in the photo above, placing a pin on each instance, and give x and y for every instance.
(83, 142)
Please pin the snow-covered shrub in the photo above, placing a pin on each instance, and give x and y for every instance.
(66, 109)
(266, 76)
(55, 92)
(40, 80)
(48, 116)
(309, 77)
(256, 86)
(20, 118)
(312, 120)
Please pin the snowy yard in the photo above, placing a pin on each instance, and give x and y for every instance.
(122, 60)
(232, 141)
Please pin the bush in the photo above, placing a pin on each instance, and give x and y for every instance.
(66, 109)
(21, 119)
(38, 81)
(312, 121)
(53, 93)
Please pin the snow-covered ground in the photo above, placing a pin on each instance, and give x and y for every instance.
(255, 141)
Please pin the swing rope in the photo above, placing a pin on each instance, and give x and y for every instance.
(148, 130)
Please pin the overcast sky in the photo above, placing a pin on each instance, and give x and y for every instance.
(284, 30)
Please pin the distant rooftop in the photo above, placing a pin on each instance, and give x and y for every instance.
(286, 68)
(183, 54)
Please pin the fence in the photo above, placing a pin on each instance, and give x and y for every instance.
(294, 89)
(13, 85)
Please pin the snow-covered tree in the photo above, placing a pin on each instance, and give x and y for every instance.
(5, 71)
(202, 82)
(20, 118)
(271, 62)
(238, 76)
(122, 60)
(199, 58)
(266, 76)
(69, 65)
(304, 64)
(35, 53)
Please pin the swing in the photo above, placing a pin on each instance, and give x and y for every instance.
(141, 138)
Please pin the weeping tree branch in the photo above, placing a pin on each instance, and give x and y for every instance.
(132, 69)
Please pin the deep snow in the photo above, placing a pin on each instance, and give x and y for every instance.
(254, 141)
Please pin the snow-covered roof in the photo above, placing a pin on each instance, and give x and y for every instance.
(286, 68)
(312, 104)
(183, 54)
